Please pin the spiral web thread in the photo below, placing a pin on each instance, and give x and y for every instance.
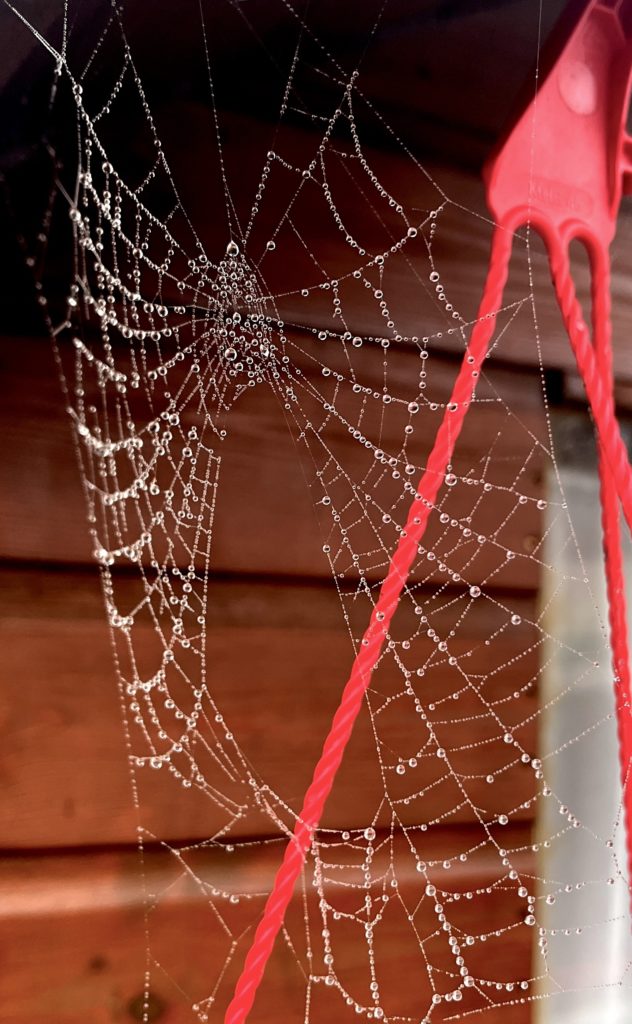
(163, 344)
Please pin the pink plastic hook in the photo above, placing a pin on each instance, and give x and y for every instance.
(568, 159)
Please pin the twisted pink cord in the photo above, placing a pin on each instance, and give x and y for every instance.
(615, 578)
(375, 635)
(598, 391)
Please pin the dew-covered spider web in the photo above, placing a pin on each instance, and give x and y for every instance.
(257, 346)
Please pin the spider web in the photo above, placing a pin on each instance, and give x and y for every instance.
(171, 348)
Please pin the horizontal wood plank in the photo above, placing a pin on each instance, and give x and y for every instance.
(277, 659)
(278, 497)
(311, 248)
(75, 935)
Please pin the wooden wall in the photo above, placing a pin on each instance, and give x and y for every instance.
(74, 915)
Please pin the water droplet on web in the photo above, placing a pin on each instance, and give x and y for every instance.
(475, 591)
(232, 249)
